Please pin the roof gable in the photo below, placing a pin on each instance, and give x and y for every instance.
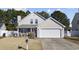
(36, 15)
(32, 17)
(51, 23)
(2, 26)
(57, 22)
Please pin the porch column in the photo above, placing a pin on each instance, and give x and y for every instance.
(18, 32)
(30, 29)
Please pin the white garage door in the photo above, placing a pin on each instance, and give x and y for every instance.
(49, 33)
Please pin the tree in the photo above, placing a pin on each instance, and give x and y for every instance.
(21, 13)
(1, 16)
(44, 14)
(9, 17)
(27, 12)
(61, 17)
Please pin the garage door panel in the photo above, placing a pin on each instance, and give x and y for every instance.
(50, 33)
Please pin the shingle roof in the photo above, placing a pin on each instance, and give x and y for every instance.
(40, 16)
(57, 22)
(27, 26)
(37, 15)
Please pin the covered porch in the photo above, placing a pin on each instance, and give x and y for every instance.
(25, 29)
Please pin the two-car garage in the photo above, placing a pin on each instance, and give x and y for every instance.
(50, 29)
(50, 33)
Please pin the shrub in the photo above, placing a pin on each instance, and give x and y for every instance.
(31, 35)
(4, 35)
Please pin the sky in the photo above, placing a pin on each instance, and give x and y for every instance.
(70, 12)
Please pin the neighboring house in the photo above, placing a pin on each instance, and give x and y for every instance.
(75, 22)
(41, 27)
(3, 31)
(75, 25)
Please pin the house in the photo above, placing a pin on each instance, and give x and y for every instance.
(75, 25)
(29, 23)
(41, 27)
(6, 33)
(3, 31)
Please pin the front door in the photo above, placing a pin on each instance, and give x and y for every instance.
(35, 32)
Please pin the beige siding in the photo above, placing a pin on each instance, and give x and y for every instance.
(28, 18)
(49, 24)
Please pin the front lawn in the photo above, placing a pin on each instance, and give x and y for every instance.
(34, 44)
(15, 43)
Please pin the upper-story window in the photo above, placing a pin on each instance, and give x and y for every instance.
(31, 21)
(36, 21)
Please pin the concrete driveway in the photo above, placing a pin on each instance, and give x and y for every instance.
(58, 44)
